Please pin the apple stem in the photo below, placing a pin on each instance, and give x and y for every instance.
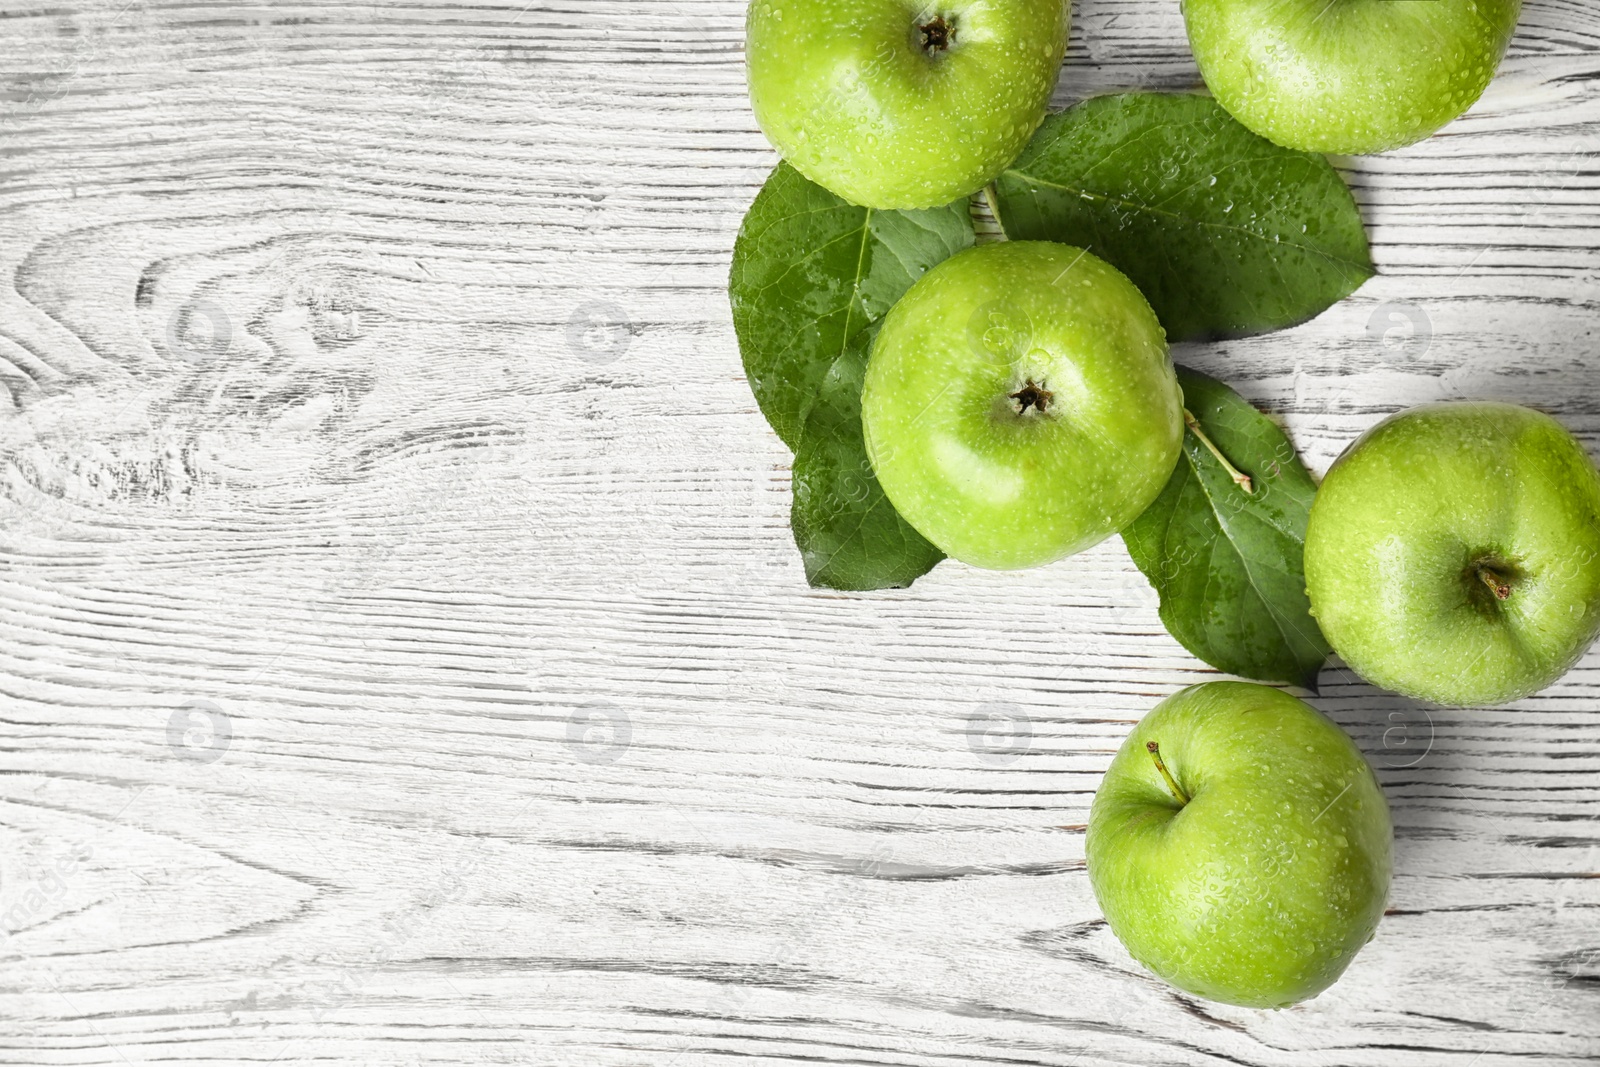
(1497, 584)
(1241, 479)
(991, 196)
(1172, 783)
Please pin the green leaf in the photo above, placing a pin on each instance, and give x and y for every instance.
(1228, 563)
(1226, 233)
(813, 277)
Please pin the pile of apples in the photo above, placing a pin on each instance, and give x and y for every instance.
(1240, 844)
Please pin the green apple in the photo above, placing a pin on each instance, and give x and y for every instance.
(1239, 845)
(1453, 553)
(1019, 404)
(902, 103)
(1348, 76)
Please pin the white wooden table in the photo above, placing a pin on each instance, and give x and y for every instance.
(403, 657)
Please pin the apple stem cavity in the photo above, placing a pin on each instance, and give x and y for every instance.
(1032, 396)
(1172, 783)
(937, 36)
(1496, 582)
(1241, 479)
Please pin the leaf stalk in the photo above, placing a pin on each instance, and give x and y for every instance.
(1240, 478)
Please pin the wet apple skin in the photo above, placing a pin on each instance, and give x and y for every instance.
(1260, 890)
(1404, 518)
(847, 93)
(999, 487)
(1348, 76)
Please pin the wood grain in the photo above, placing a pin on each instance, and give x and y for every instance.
(403, 658)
